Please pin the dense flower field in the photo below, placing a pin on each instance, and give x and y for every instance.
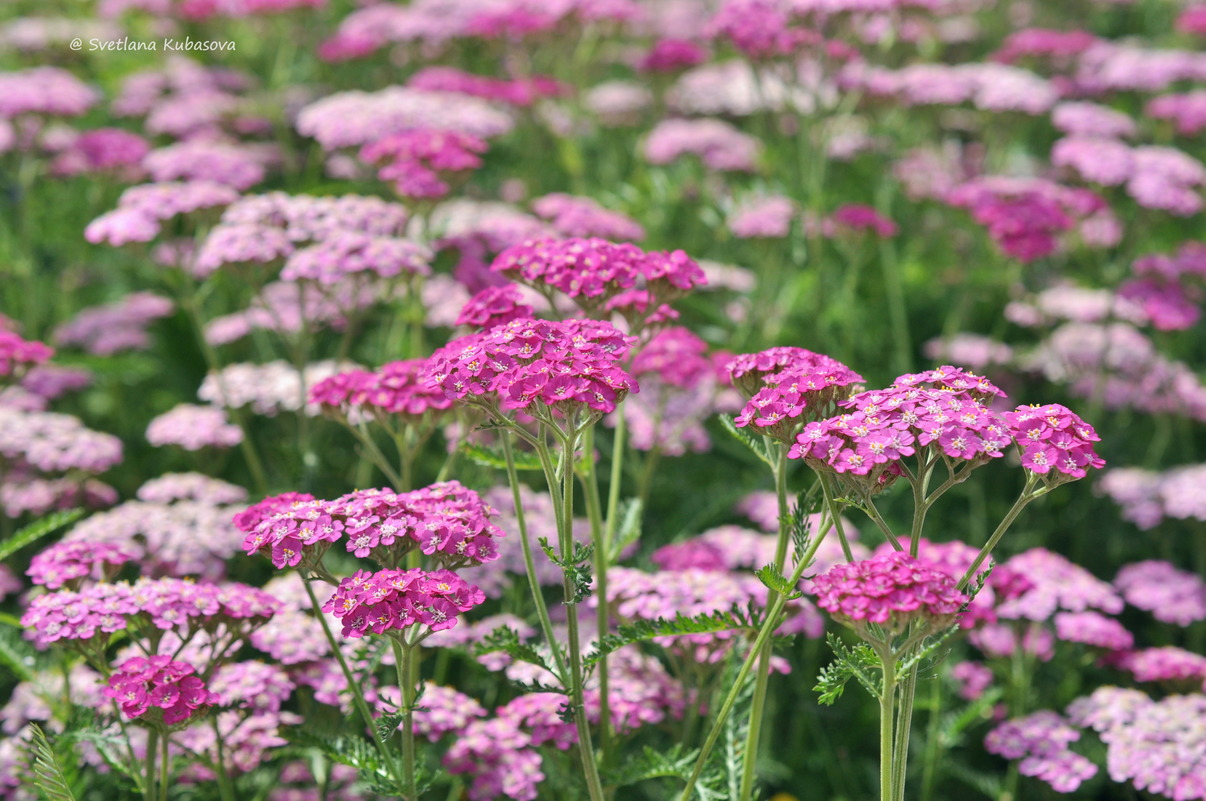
(602, 399)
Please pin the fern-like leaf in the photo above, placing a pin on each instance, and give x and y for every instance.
(856, 663)
(724, 620)
(675, 763)
(44, 770)
(774, 579)
(37, 530)
(506, 640)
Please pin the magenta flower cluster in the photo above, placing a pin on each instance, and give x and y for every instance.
(1054, 438)
(163, 604)
(396, 389)
(495, 305)
(446, 521)
(804, 387)
(69, 561)
(942, 408)
(594, 271)
(391, 600)
(17, 355)
(564, 365)
(891, 590)
(145, 684)
(418, 162)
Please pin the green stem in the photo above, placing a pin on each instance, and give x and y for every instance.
(152, 750)
(762, 680)
(764, 635)
(225, 786)
(932, 743)
(566, 535)
(542, 611)
(887, 739)
(403, 656)
(904, 727)
(1028, 494)
(602, 545)
(165, 758)
(358, 701)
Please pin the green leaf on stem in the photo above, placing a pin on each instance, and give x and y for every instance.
(37, 530)
(755, 443)
(576, 568)
(851, 662)
(506, 640)
(676, 763)
(493, 457)
(772, 576)
(355, 752)
(43, 768)
(736, 618)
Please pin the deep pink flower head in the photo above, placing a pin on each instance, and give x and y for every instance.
(803, 388)
(594, 271)
(576, 216)
(522, 92)
(1055, 443)
(420, 161)
(1193, 20)
(446, 521)
(109, 150)
(68, 562)
(247, 520)
(395, 600)
(564, 365)
(1042, 42)
(856, 218)
(159, 686)
(672, 55)
(496, 305)
(395, 390)
(943, 409)
(891, 591)
(18, 355)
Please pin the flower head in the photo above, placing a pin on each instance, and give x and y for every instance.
(891, 591)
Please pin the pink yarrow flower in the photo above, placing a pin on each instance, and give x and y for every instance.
(159, 687)
(563, 365)
(891, 591)
(395, 600)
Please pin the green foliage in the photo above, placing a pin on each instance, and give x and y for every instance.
(576, 568)
(629, 529)
(799, 522)
(82, 725)
(356, 752)
(852, 662)
(17, 655)
(43, 768)
(676, 763)
(757, 445)
(37, 530)
(724, 620)
(494, 457)
(506, 639)
(772, 576)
